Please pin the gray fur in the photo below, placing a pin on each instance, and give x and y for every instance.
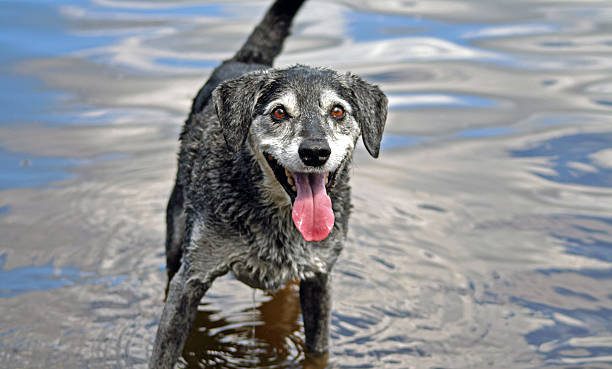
(229, 213)
(371, 111)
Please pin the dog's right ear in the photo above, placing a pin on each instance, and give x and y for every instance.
(235, 103)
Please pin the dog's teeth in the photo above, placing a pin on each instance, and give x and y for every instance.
(293, 188)
(289, 177)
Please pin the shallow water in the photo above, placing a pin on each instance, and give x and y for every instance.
(482, 237)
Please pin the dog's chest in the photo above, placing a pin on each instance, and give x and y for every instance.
(273, 257)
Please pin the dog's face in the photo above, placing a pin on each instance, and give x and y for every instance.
(302, 125)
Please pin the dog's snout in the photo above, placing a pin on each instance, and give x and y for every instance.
(314, 152)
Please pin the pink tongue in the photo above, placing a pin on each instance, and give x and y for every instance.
(312, 209)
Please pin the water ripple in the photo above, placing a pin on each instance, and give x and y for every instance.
(578, 164)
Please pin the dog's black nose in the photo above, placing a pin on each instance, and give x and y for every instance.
(314, 152)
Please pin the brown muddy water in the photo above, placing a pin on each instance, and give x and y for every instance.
(482, 237)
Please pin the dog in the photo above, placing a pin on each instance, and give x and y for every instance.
(262, 183)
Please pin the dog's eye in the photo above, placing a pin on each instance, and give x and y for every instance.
(337, 112)
(279, 113)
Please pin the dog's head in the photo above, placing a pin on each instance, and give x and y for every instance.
(302, 125)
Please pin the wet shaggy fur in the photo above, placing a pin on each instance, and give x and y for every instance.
(228, 212)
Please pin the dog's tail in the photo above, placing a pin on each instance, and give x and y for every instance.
(266, 40)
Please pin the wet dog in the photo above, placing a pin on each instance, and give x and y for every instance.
(262, 185)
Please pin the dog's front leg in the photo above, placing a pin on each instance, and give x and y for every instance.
(315, 300)
(184, 294)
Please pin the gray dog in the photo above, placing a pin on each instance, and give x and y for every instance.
(262, 185)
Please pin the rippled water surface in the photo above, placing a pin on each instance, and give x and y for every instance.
(482, 237)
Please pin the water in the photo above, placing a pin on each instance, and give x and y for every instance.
(482, 237)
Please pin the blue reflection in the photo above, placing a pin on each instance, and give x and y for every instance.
(188, 63)
(419, 100)
(557, 44)
(581, 295)
(366, 27)
(33, 30)
(590, 247)
(566, 150)
(606, 103)
(598, 274)
(485, 132)
(560, 334)
(432, 207)
(23, 100)
(38, 30)
(168, 9)
(394, 141)
(45, 277)
(588, 239)
(18, 170)
(391, 141)
(374, 27)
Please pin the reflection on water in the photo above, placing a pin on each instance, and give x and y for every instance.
(573, 158)
(42, 278)
(268, 335)
(482, 237)
(26, 170)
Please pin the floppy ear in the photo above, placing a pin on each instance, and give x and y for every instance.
(370, 110)
(235, 102)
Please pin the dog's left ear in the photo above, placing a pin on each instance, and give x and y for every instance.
(370, 110)
(235, 102)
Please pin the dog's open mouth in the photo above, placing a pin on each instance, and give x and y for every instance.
(312, 211)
